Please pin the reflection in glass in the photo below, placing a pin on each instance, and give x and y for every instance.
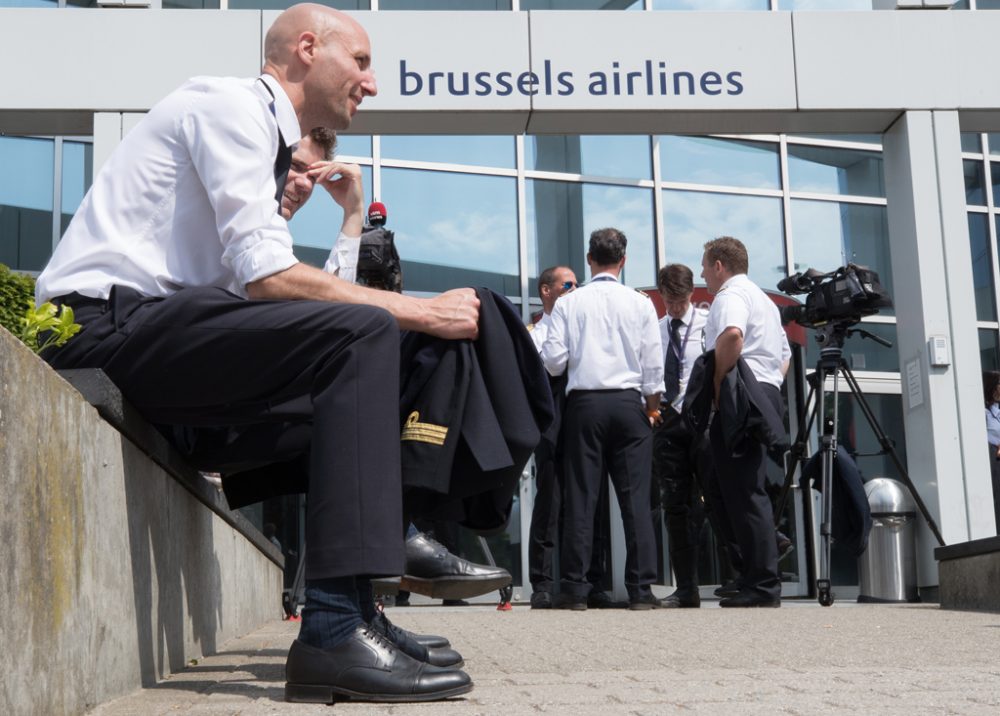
(354, 145)
(726, 162)
(561, 216)
(994, 140)
(862, 353)
(824, 4)
(283, 4)
(995, 180)
(711, 4)
(975, 181)
(827, 235)
(989, 349)
(444, 5)
(453, 230)
(26, 184)
(581, 4)
(691, 218)
(214, 5)
(316, 225)
(970, 142)
(835, 171)
(988, 4)
(77, 170)
(982, 267)
(487, 151)
(29, 3)
(594, 155)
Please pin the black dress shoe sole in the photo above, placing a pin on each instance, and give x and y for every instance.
(678, 604)
(643, 606)
(453, 587)
(319, 694)
(754, 604)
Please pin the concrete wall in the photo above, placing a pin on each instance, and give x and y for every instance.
(113, 575)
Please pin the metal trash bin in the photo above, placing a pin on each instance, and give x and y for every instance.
(888, 567)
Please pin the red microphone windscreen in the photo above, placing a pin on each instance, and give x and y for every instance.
(377, 213)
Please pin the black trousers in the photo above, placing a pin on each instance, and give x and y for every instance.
(995, 478)
(746, 515)
(606, 429)
(311, 386)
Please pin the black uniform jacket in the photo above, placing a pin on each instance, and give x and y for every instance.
(472, 412)
(852, 517)
(745, 411)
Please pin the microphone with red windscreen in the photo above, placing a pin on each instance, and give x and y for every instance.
(377, 214)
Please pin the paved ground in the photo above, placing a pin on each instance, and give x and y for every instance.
(800, 659)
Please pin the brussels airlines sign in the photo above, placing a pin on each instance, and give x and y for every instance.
(582, 60)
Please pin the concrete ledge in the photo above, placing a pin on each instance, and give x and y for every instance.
(115, 574)
(969, 575)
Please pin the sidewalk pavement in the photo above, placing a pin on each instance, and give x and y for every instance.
(800, 659)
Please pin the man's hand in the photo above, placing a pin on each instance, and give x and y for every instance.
(453, 314)
(343, 182)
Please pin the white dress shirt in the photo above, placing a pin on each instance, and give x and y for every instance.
(692, 336)
(186, 199)
(540, 331)
(343, 260)
(740, 303)
(606, 336)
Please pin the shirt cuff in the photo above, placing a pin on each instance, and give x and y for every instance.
(265, 258)
(343, 259)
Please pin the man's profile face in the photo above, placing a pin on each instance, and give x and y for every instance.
(713, 273)
(299, 185)
(341, 74)
(563, 281)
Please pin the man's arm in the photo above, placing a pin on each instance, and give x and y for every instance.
(555, 352)
(728, 347)
(344, 184)
(453, 314)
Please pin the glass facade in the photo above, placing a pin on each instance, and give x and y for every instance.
(981, 167)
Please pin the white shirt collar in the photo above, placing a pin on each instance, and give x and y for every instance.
(738, 278)
(288, 121)
(604, 273)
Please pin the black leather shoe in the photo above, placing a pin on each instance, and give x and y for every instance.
(681, 601)
(729, 589)
(366, 668)
(435, 572)
(747, 598)
(409, 645)
(644, 601)
(599, 599)
(568, 601)
(541, 600)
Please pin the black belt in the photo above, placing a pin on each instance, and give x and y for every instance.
(78, 300)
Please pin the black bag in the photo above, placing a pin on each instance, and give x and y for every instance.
(378, 262)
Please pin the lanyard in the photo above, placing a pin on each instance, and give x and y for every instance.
(681, 352)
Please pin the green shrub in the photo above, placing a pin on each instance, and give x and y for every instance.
(17, 296)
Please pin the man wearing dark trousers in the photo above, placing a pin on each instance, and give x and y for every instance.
(605, 337)
(680, 458)
(179, 266)
(744, 323)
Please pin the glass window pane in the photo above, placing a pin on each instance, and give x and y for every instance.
(26, 188)
(824, 4)
(727, 162)
(994, 140)
(283, 4)
(453, 230)
(845, 137)
(561, 216)
(988, 4)
(316, 225)
(827, 235)
(209, 5)
(971, 143)
(77, 170)
(601, 155)
(989, 349)
(444, 5)
(982, 267)
(477, 151)
(354, 145)
(975, 181)
(692, 218)
(835, 171)
(29, 3)
(580, 4)
(862, 353)
(995, 180)
(711, 4)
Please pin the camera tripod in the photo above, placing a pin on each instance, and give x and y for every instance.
(831, 362)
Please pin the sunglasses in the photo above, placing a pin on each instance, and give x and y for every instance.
(567, 285)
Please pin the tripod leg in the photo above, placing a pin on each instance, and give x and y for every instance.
(292, 598)
(887, 446)
(796, 455)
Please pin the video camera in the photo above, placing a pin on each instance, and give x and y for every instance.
(842, 296)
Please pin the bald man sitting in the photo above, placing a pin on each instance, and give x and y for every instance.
(179, 266)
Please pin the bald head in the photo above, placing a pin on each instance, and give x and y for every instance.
(322, 58)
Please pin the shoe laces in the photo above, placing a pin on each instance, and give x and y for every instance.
(381, 623)
(379, 639)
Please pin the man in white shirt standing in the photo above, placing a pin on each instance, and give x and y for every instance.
(605, 337)
(744, 323)
(680, 459)
(180, 228)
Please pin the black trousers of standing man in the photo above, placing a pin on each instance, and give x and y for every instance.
(746, 516)
(309, 385)
(606, 428)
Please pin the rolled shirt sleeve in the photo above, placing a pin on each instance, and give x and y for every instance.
(555, 352)
(343, 260)
(651, 352)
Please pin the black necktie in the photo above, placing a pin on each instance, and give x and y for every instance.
(282, 163)
(672, 367)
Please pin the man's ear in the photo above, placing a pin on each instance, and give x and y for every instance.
(305, 49)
